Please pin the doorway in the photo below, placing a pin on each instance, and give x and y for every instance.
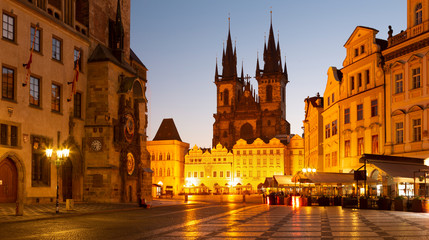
(8, 181)
(67, 179)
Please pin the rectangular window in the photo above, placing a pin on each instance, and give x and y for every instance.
(8, 83)
(228, 174)
(416, 78)
(334, 128)
(367, 76)
(375, 144)
(250, 161)
(221, 174)
(360, 146)
(238, 173)
(244, 161)
(356, 52)
(359, 76)
(250, 174)
(399, 132)
(77, 56)
(214, 174)
(195, 174)
(417, 130)
(244, 152)
(4, 130)
(238, 152)
(34, 91)
(362, 49)
(258, 162)
(374, 108)
(14, 136)
(346, 115)
(327, 160)
(334, 159)
(347, 148)
(56, 49)
(359, 112)
(265, 162)
(329, 101)
(271, 151)
(250, 152)
(189, 174)
(264, 152)
(41, 169)
(327, 130)
(56, 98)
(352, 83)
(202, 174)
(8, 27)
(77, 105)
(399, 82)
(36, 38)
(333, 98)
(278, 151)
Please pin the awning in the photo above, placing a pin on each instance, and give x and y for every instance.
(148, 170)
(269, 182)
(156, 185)
(283, 180)
(328, 178)
(400, 171)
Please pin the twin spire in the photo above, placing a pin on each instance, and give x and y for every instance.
(272, 58)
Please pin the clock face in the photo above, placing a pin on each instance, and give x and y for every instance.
(130, 163)
(96, 145)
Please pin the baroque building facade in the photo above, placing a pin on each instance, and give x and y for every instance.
(100, 114)
(243, 114)
(167, 153)
(378, 102)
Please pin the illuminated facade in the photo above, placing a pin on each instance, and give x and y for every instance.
(209, 169)
(103, 123)
(407, 85)
(167, 153)
(313, 129)
(294, 160)
(243, 114)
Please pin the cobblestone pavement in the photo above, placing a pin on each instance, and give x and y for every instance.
(281, 222)
(43, 211)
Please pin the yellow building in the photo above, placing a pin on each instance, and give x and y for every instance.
(294, 161)
(407, 85)
(209, 171)
(313, 129)
(103, 123)
(167, 153)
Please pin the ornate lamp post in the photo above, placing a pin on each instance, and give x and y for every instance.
(61, 156)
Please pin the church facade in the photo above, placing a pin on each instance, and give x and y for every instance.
(241, 112)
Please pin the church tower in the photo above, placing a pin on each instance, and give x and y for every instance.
(272, 81)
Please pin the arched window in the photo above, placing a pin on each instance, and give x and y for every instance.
(160, 156)
(269, 92)
(226, 97)
(168, 172)
(418, 14)
(246, 131)
(153, 156)
(168, 156)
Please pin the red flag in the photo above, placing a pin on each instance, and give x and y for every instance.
(75, 78)
(28, 64)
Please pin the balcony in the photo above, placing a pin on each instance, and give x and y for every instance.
(409, 33)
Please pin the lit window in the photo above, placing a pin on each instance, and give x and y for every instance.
(360, 146)
(228, 174)
(77, 103)
(334, 159)
(202, 174)
(334, 128)
(221, 174)
(327, 130)
(55, 98)
(8, 83)
(375, 144)
(214, 174)
(347, 148)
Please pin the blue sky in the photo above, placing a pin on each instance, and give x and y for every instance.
(179, 41)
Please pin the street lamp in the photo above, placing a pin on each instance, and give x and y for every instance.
(61, 156)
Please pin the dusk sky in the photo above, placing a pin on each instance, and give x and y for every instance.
(179, 41)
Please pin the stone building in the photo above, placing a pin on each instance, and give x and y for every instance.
(313, 137)
(377, 104)
(407, 85)
(167, 153)
(100, 116)
(243, 114)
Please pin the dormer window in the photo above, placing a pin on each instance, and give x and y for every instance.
(418, 13)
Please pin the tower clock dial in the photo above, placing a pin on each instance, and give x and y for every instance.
(129, 127)
(96, 145)
(130, 163)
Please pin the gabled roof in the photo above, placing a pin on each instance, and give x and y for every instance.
(103, 54)
(357, 29)
(134, 57)
(167, 131)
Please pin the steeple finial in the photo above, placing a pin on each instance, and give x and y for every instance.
(271, 14)
(242, 72)
(216, 72)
